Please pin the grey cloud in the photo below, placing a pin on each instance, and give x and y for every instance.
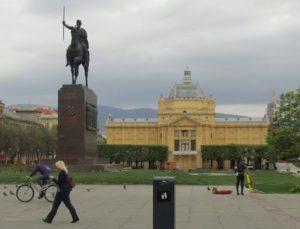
(237, 50)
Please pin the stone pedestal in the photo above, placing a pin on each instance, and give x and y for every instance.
(77, 125)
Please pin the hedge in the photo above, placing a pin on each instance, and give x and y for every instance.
(234, 152)
(133, 153)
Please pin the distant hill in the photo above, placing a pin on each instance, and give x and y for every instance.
(105, 111)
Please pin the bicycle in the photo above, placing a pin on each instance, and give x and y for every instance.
(26, 191)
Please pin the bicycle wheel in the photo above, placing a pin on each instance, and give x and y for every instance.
(25, 193)
(50, 193)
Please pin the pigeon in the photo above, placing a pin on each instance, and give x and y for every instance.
(88, 189)
(4, 193)
(11, 192)
(124, 186)
(5, 187)
(208, 188)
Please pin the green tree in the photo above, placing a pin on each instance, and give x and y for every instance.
(134, 153)
(284, 132)
(38, 141)
(215, 152)
(234, 153)
(284, 143)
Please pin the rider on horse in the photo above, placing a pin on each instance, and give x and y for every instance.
(78, 34)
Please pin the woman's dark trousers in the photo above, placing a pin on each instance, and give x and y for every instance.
(62, 197)
(240, 180)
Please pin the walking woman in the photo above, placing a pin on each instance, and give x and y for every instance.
(63, 194)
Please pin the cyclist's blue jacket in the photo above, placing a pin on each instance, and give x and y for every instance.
(42, 169)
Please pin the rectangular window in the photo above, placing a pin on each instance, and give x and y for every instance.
(185, 133)
(176, 145)
(193, 145)
(193, 133)
(176, 133)
(184, 146)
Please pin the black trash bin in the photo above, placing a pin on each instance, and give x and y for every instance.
(163, 203)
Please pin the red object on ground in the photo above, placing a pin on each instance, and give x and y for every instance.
(221, 192)
(170, 165)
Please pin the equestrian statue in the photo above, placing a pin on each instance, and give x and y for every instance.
(78, 51)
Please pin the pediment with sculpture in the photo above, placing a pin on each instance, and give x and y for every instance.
(185, 121)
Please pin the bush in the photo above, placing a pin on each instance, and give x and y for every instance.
(296, 188)
(234, 152)
(134, 153)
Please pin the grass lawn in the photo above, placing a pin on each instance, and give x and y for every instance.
(265, 181)
(274, 182)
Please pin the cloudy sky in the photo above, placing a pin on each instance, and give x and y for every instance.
(238, 50)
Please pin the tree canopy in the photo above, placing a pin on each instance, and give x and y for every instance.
(236, 152)
(133, 153)
(27, 142)
(284, 132)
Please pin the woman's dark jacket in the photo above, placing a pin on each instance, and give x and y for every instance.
(62, 182)
(241, 169)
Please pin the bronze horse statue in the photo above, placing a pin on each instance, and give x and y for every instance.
(78, 51)
(77, 58)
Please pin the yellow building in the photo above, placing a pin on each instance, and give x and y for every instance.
(49, 117)
(185, 121)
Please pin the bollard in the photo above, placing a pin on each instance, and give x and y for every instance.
(163, 203)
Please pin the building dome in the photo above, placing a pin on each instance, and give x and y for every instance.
(187, 89)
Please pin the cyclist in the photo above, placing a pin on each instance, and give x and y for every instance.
(45, 171)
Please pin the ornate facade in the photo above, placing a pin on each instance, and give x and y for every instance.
(185, 121)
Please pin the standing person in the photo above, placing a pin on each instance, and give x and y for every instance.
(62, 195)
(240, 177)
(45, 172)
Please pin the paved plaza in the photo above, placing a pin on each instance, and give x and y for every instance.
(116, 207)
